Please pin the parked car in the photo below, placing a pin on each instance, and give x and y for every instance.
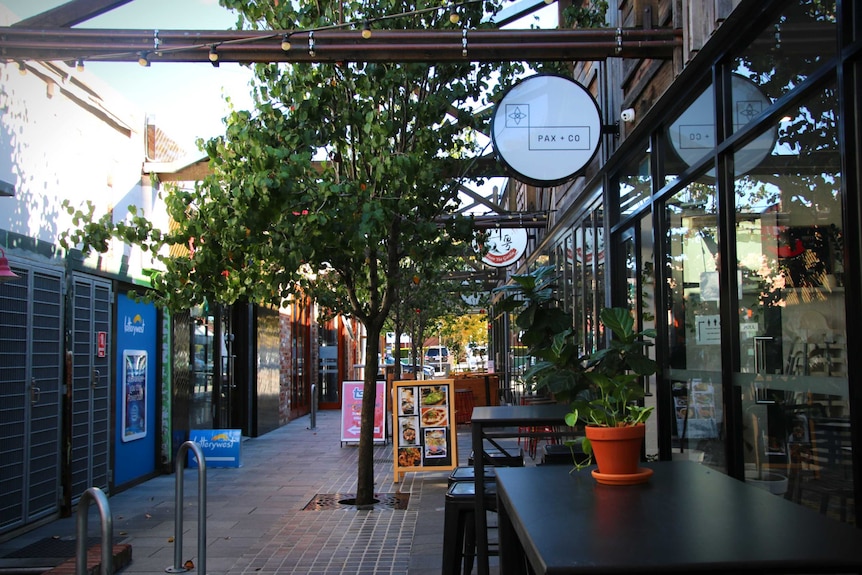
(437, 356)
(406, 367)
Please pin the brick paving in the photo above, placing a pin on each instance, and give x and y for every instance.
(256, 521)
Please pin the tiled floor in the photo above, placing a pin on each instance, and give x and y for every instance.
(256, 523)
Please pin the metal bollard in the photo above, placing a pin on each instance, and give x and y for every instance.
(313, 422)
(178, 511)
(107, 523)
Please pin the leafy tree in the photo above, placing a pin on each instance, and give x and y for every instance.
(338, 175)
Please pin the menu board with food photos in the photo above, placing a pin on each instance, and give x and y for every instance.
(424, 433)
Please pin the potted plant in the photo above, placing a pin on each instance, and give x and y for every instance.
(612, 411)
(604, 386)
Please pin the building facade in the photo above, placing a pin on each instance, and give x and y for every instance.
(726, 216)
(96, 388)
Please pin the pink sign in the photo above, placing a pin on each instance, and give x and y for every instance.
(351, 411)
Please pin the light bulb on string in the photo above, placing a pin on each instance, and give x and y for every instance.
(143, 60)
(285, 42)
(79, 65)
(454, 18)
(366, 30)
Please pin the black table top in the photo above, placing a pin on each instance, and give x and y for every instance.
(515, 415)
(686, 518)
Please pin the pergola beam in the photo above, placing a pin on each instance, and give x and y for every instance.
(247, 46)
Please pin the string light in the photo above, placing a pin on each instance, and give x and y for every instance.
(366, 32)
(79, 65)
(22, 69)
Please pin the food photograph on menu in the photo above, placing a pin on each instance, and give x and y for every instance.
(407, 401)
(409, 456)
(409, 428)
(433, 395)
(435, 442)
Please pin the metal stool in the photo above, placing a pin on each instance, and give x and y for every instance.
(468, 474)
(459, 526)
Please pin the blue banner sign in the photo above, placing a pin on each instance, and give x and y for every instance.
(221, 447)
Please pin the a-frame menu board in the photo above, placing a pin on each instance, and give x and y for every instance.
(423, 431)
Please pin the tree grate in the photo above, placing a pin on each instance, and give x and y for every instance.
(332, 501)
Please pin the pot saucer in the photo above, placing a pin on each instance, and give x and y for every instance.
(641, 476)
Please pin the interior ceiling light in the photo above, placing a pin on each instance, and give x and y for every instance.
(366, 30)
(144, 60)
(213, 55)
(285, 42)
(6, 273)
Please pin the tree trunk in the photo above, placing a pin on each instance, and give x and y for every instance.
(365, 470)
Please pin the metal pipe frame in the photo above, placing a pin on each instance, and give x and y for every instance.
(247, 46)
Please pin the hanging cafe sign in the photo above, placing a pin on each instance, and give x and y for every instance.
(504, 246)
(546, 129)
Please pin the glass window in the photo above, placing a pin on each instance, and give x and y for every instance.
(634, 182)
(691, 136)
(694, 346)
(787, 52)
(792, 332)
(580, 291)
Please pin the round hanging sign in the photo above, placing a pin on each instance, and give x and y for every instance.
(546, 129)
(505, 246)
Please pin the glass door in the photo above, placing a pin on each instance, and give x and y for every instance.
(792, 377)
(694, 354)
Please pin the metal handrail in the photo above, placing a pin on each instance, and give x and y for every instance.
(107, 525)
(178, 566)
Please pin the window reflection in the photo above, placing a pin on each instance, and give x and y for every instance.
(787, 52)
(694, 330)
(793, 377)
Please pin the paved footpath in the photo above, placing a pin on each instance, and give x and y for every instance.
(278, 513)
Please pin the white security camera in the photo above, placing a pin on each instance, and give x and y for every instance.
(628, 115)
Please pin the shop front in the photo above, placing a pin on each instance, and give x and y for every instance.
(730, 218)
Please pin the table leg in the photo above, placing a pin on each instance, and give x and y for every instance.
(479, 516)
(512, 558)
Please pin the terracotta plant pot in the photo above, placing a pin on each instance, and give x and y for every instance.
(617, 450)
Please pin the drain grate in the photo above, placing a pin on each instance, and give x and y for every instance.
(332, 501)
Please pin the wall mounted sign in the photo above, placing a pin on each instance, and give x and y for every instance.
(692, 135)
(505, 246)
(134, 416)
(546, 129)
(424, 433)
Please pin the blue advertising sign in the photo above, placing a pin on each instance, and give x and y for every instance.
(220, 447)
(136, 329)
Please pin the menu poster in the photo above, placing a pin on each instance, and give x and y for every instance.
(425, 438)
(695, 409)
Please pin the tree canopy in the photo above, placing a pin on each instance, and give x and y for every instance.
(340, 173)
